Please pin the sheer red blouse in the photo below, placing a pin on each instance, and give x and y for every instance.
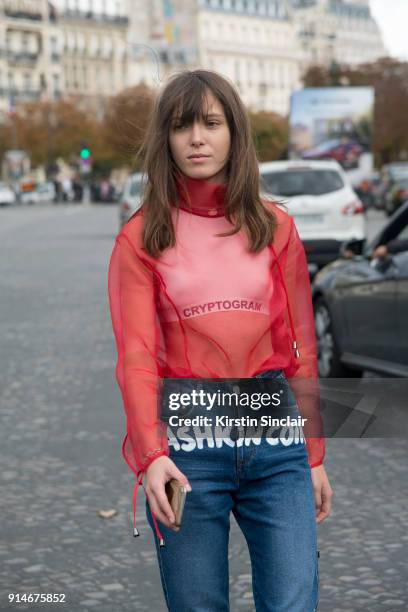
(208, 308)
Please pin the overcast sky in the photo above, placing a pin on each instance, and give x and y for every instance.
(392, 17)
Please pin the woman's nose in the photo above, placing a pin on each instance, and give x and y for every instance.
(196, 133)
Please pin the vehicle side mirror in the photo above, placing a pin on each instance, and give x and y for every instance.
(351, 248)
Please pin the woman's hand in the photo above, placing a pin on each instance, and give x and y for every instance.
(157, 474)
(323, 493)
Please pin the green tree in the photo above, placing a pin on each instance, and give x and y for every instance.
(125, 123)
(270, 133)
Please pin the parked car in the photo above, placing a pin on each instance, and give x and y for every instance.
(322, 202)
(390, 178)
(7, 195)
(43, 192)
(361, 305)
(131, 198)
(346, 152)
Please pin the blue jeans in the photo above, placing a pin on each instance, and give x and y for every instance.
(268, 488)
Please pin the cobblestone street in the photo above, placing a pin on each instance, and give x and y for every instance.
(61, 434)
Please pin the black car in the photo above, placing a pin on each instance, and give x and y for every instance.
(361, 305)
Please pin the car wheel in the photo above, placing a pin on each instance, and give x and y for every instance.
(328, 353)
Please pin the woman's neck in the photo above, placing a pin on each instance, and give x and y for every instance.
(201, 196)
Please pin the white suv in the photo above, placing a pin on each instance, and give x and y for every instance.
(131, 198)
(319, 197)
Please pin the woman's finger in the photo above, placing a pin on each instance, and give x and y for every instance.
(157, 510)
(318, 499)
(326, 504)
(174, 472)
(164, 505)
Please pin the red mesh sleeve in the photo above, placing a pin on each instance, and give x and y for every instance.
(132, 303)
(304, 382)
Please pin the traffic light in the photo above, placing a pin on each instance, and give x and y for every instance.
(85, 159)
(85, 153)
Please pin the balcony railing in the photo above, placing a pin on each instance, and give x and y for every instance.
(15, 13)
(21, 95)
(22, 57)
(91, 16)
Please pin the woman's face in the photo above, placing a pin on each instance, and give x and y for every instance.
(201, 149)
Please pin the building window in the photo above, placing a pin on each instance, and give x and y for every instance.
(24, 42)
(53, 45)
(56, 85)
(81, 42)
(237, 76)
(27, 81)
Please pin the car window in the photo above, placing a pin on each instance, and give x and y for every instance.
(135, 187)
(291, 183)
(403, 234)
(399, 172)
(396, 238)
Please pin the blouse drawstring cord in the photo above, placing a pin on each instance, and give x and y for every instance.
(292, 327)
(135, 530)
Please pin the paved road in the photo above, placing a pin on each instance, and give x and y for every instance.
(62, 426)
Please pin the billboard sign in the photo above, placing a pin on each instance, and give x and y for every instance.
(334, 123)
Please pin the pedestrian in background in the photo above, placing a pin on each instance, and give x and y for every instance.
(209, 289)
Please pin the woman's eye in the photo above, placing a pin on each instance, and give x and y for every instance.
(181, 126)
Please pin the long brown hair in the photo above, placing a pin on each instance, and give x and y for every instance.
(185, 96)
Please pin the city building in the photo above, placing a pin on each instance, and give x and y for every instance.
(263, 46)
(50, 49)
(254, 44)
(92, 49)
(29, 66)
(343, 31)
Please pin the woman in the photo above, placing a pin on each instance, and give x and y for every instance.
(209, 291)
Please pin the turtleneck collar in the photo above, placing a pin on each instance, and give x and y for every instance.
(207, 199)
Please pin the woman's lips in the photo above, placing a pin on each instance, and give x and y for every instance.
(200, 159)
